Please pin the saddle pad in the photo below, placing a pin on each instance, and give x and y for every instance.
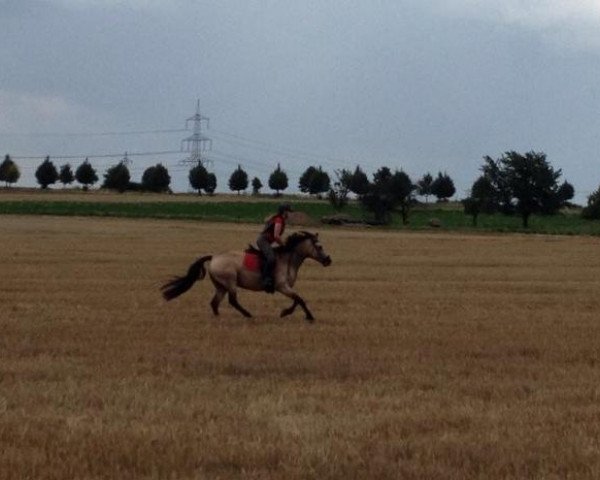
(251, 261)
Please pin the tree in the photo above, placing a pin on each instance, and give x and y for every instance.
(378, 198)
(156, 179)
(256, 186)
(338, 193)
(566, 192)
(592, 210)
(86, 175)
(305, 179)
(9, 172)
(117, 177)
(238, 180)
(493, 171)
(278, 180)
(387, 192)
(359, 182)
(211, 183)
(46, 173)
(424, 186)
(320, 183)
(402, 189)
(382, 176)
(198, 178)
(443, 187)
(558, 199)
(533, 182)
(65, 175)
(12, 174)
(481, 198)
(527, 184)
(314, 181)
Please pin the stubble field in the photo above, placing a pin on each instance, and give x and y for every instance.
(440, 356)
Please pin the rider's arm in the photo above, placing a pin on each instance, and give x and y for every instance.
(277, 232)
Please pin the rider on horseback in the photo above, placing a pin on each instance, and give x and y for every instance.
(270, 234)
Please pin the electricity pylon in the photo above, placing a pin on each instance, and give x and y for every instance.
(197, 144)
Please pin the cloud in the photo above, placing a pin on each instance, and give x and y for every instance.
(106, 4)
(566, 23)
(551, 13)
(21, 112)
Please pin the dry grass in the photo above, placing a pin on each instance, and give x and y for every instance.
(59, 194)
(433, 356)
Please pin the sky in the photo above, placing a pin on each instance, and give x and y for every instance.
(418, 85)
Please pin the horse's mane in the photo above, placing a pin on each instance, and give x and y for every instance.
(290, 244)
(294, 239)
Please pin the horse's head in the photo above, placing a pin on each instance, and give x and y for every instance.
(308, 245)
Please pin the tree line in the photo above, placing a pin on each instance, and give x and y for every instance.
(513, 184)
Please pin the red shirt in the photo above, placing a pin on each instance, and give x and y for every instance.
(269, 230)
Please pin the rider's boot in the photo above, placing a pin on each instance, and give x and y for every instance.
(268, 282)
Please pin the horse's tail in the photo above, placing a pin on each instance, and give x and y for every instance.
(179, 285)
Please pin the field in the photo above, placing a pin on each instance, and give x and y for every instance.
(253, 209)
(434, 356)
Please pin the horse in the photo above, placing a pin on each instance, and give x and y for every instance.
(242, 269)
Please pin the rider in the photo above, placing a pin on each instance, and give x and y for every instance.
(270, 234)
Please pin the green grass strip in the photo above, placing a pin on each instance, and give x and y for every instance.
(255, 212)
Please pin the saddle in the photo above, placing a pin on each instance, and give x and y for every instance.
(253, 259)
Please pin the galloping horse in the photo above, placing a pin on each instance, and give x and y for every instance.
(240, 269)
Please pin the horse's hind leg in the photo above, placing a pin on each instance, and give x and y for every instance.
(235, 304)
(225, 282)
(216, 300)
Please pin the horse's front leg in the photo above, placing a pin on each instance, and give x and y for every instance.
(298, 300)
(288, 311)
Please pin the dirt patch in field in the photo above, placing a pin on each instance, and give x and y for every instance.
(301, 218)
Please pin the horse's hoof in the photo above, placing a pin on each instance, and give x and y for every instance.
(310, 319)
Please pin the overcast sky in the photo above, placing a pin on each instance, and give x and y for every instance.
(422, 85)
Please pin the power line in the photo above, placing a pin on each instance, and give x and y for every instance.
(91, 134)
(105, 155)
(280, 150)
(195, 145)
(236, 159)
